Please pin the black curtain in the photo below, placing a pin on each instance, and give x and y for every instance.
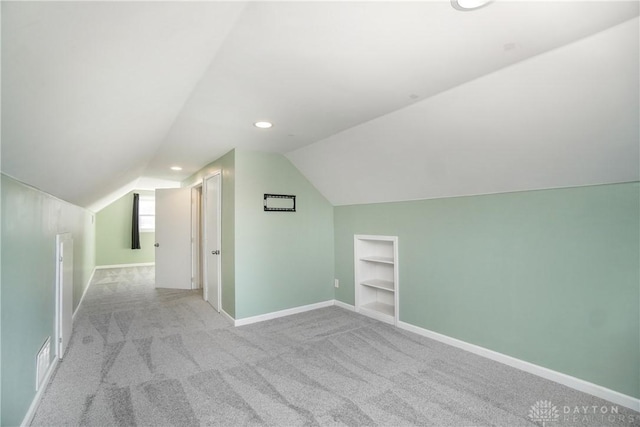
(135, 227)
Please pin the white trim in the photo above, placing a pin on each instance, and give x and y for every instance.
(36, 400)
(375, 237)
(359, 272)
(140, 264)
(196, 237)
(286, 312)
(549, 374)
(344, 305)
(227, 316)
(73, 318)
(61, 340)
(206, 245)
(282, 313)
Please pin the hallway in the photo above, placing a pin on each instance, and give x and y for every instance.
(127, 333)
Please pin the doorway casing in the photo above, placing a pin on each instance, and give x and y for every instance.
(212, 239)
(64, 292)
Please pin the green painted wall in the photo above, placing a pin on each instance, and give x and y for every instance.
(113, 235)
(30, 221)
(283, 259)
(551, 277)
(225, 164)
(270, 261)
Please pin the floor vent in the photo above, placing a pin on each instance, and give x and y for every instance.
(43, 359)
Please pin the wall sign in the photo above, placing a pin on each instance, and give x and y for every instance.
(279, 203)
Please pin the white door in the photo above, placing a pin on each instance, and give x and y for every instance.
(212, 257)
(173, 238)
(64, 291)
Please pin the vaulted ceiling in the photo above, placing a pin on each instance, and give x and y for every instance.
(372, 101)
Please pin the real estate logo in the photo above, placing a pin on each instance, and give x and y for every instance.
(543, 411)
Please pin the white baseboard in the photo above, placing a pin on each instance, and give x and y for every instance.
(228, 316)
(140, 264)
(344, 305)
(564, 379)
(73, 317)
(28, 418)
(282, 313)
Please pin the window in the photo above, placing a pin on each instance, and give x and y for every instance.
(147, 214)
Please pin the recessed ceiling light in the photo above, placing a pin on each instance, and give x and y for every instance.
(176, 168)
(469, 4)
(263, 125)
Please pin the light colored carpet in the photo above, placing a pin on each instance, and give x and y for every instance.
(145, 356)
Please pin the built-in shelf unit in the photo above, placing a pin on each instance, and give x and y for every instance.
(376, 276)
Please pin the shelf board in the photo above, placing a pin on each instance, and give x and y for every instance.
(385, 285)
(379, 307)
(381, 259)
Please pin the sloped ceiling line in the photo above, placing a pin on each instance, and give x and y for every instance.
(568, 117)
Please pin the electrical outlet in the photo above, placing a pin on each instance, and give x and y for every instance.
(336, 283)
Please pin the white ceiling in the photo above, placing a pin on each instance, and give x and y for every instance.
(569, 117)
(373, 101)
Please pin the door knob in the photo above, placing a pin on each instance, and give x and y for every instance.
(157, 245)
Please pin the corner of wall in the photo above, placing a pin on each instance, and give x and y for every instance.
(283, 259)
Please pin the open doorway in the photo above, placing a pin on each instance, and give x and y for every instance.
(196, 237)
(206, 238)
(211, 239)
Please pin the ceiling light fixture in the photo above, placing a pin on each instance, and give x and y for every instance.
(263, 125)
(176, 168)
(466, 5)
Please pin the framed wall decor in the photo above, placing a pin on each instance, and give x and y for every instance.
(279, 203)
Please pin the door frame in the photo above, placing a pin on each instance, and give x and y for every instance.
(61, 334)
(197, 277)
(207, 246)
